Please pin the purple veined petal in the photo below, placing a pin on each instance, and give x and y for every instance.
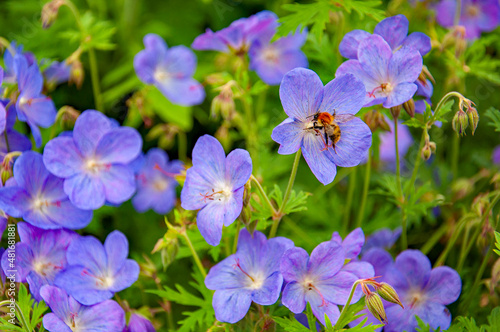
(380, 259)
(40, 110)
(400, 319)
(233, 206)
(301, 93)
(401, 93)
(62, 157)
(250, 247)
(472, 30)
(231, 305)
(139, 323)
(293, 40)
(58, 213)
(105, 316)
(36, 282)
(293, 264)
(180, 62)
(194, 188)
(155, 44)
(87, 251)
(349, 45)
(23, 258)
(394, 277)
(30, 79)
(210, 220)
(81, 285)
(183, 91)
(362, 270)
(35, 132)
(415, 266)
(320, 308)
(238, 167)
(3, 113)
(434, 314)
(337, 287)
(225, 275)
(209, 41)
(17, 142)
(355, 140)
(319, 162)
(270, 291)
(289, 135)
(405, 66)
(209, 159)
(90, 127)
(85, 192)
(354, 67)
(393, 29)
(276, 247)
(53, 323)
(343, 95)
(126, 276)
(326, 260)
(272, 64)
(444, 285)
(145, 64)
(489, 16)
(419, 41)
(120, 145)
(165, 202)
(294, 297)
(57, 300)
(14, 201)
(495, 157)
(40, 219)
(374, 55)
(424, 89)
(445, 10)
(30, 172)
(353, 243)
(116, 248)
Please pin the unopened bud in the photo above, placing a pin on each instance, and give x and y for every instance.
(223, 103)
(67, 115)
(376, 307)
(76, 73)
(426, 152)
(49, 12)
(473, 118)
(409, 107)
(395, 111)
(376, 120)
(460, 122)
(6, 174)
(460, 47)
(247, 194)
(432, 145)
(388, 293)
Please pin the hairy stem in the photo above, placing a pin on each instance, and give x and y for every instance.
(96, 85)
(366, 186)
(344, 309)
(195, 255)
(348, 205)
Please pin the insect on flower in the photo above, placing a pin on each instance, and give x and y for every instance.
(328, 124)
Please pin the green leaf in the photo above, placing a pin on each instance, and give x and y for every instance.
(416, 122)
(290, 325)
(368, 328)
(445, 109)
(497, 243)
(31, 312)
(494, 116)
(352, 313)
(168, 112)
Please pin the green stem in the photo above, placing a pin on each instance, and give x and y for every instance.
(445, 99)
(182, 145)
(23, 321)
(427, 247)
(442, 258)
(263, 193)
(404, 240)
(195, 255)
(251, 135)
(418, 161)
(455, 153)
(344, 309)
(348, 205)
(311, 321)
(366, 187)
(6, 140)
(279, 214)
(94, 73)
(237, 235)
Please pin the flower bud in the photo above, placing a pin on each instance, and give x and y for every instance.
(432, 145)
(49, 12)
(409, 107)
(426, 152)
(376, 307)
(388, 293)
(76, 73)
(473, 118)
(68, 116)
(460, 122)
(395, 111)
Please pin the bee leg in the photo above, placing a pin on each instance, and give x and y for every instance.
(334, 148)
(325, 140)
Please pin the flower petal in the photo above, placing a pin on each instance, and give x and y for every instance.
(326, 260)
(62, 157)
(293, 264)
(353, 243)
(209, 158)
(105, 316)
(349, 45)
(30, 172)
(238, 167)
(231, 305)
(90, 127)
(419, 41)
(119, 145)
(374, 55)
(355, 140)
(119, 183)
(444, 285)
(401, 93)
(393, 29)
(336, 288)
(14, 201)
(319, 162)
(58, 213)
(270, 290)
(85, 192)
(210, 220)
(380, 259)
(294, 297)
(180, 61)
(415, 266)
(405, 66)
(289, 135)
(434, 314)
(126, 276)
(343, 95)
(184, 92)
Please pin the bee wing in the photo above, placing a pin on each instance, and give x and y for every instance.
(342, 118)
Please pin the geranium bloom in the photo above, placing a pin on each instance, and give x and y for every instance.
(240, 35)
(476, 15)
(68, 315)
(94, 161)
(394, 30)
(383, 238)
(388, 77)
(38, 197)
(303, 98)
(17, 141)
(40, 256)
(215, 185)
(272, 61)
(318, 279)
(251, 274)
(423, 291)
(170, 70)
(32, 106)
(95, 272)
(139, 323)
(11, 70)
(56, 73)
(156, 183)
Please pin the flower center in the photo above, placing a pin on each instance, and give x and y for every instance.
(472, 10)
(222, 194)
(160, 184)
(104, 281)
(40, 204)
(45, 269)
(383, 88)
(270, 54)
(94, 167)
(161, 74)
(256, 281)
(415, 298)
(309, 287)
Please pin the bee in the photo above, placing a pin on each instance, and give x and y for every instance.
(327, 124)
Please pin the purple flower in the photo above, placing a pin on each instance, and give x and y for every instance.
(423, 291)
(215, 186)
(383, 238)
(156, 183)
(38, 197)
(96, 272)
(496, 155)
(3, 112)
(56, 73)
(318, 279)
(272, 61)
(388, 77)
(352, 244)
(139, 323)
(32, 106)
(94, 161)
(17, 141)
(170, 70)
(251, 274)
(68, 315)
(240, 35)
(476, 15)
(40, 256)
(314, 113)
(11, 70)
(394, 30)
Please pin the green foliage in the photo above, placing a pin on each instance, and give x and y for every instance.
(290, 324)
(168, 112)
(494, 115)
(28, 313)
(92, 33)
(296, 202)
(423, 327)
(468, 324)
(352, 313)
(481, 64)
(497, 243)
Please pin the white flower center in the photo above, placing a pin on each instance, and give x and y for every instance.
(221, 193)
(415, 298)
(161, 74)
(472, 10)
(45, 269)
(93, 166)
(270, 54)
(160, 184)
